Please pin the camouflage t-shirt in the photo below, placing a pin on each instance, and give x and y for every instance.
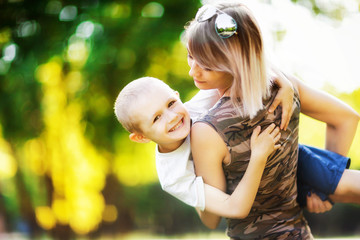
(275, 213)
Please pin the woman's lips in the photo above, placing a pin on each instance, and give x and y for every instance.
(195, 80)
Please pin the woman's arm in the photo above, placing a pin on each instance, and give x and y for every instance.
(208, 154)
(341, 120)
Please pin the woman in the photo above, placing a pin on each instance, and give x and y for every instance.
(226, 53)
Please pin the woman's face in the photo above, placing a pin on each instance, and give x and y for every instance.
(208, 79)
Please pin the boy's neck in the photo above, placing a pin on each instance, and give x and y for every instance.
(166, 148)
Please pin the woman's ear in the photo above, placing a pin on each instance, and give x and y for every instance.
(139, 138)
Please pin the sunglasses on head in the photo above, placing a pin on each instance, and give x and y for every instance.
(225, 25)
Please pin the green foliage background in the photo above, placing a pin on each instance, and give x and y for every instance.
(67, 168)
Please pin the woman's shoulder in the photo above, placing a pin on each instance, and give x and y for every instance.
(205, 134)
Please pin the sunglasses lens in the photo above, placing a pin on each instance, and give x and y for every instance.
(205, 13)
(225, 26)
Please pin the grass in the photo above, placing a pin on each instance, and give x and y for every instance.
(143, 235)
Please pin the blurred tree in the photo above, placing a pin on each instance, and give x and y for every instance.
(62, 65)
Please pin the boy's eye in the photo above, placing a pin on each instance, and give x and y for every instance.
(189, 56)
(171, 103)
(156, 118)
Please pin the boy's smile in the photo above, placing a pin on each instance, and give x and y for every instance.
(178, 125)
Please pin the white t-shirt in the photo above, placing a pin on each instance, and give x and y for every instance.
(176, 169)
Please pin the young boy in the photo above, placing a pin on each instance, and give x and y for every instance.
(166, 121)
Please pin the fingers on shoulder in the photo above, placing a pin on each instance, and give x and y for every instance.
(274, 105)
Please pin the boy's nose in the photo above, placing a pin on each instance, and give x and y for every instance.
(171, 116)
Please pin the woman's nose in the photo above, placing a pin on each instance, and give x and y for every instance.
(194, 69)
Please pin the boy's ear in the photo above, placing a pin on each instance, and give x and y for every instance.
(139, 138)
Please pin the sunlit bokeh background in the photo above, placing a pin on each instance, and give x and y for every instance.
(68, 169)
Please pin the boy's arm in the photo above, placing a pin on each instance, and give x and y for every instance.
(239, 203)
(177, 177)
(209, 165)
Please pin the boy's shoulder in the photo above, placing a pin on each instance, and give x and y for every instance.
(172, 156)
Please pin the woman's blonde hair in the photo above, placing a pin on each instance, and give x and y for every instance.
(241, 55)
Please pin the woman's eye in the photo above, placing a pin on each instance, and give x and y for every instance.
(207, 69)
(189, 56)
(156, 118)
(171, 103)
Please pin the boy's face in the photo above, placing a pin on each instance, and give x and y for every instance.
(162, 116)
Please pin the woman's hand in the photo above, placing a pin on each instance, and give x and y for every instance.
(263, 144)
(284, 97)
(315, 205)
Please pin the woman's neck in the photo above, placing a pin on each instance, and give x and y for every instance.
(224, 92)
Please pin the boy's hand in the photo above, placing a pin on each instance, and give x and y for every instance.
(284, 97)
(263, 144)
(314, 204)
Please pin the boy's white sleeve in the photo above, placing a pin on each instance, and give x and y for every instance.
(201, 102)
(177, 176)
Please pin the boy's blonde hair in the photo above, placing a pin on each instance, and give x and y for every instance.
(241, 55)
(127, 99)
